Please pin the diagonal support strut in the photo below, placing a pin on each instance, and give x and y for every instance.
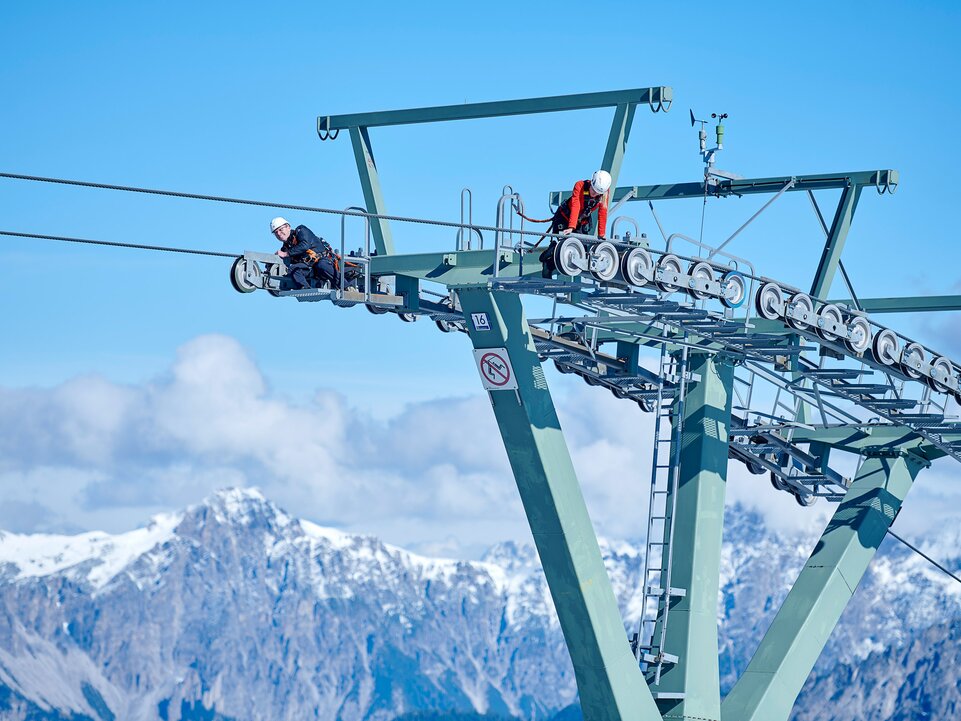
(609, 681)
(792, 644)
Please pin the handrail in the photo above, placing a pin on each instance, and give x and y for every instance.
(363, 260)
(461, 245)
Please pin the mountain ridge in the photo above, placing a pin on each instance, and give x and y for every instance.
(234, 594)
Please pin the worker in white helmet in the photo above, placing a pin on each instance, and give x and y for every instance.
(309, 259)
(574, 214)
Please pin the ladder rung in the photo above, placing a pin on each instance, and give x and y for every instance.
(668, 696)
(665, 658)
(658, 591)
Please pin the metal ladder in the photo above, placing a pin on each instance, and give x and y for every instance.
(658, 556)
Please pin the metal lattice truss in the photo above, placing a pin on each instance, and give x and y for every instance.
(805, 365)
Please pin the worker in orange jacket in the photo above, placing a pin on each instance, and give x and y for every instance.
(574, 214)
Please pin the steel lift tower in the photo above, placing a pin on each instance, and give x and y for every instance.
(747, 368)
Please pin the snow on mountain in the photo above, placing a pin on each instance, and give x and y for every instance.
(236, 607)
(915, 680)
(94, 557)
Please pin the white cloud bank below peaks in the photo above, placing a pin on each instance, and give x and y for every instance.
(93, 454)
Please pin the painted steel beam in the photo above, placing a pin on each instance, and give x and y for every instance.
(658, 98)
(617, 140)
(698, 521)
(876, 440)
(463, 267)
(370, 184)
(909, 304)
(883, 180)
(792, 644)
(608, 679)
(831, 255)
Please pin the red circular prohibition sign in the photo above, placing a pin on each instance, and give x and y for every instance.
(495, 369)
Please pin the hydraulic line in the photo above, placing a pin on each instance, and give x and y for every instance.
(137, 246)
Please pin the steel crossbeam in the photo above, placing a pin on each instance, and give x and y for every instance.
(883, 180)
(655, 97)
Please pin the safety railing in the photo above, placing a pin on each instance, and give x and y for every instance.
(362, 260)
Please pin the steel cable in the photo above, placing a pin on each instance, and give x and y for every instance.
(260, 203)
(924, 555)
(86, 241)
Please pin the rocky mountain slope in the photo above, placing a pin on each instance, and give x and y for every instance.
(233, 609)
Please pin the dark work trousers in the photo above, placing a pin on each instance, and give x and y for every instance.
(326, 273)
(547, 257)
(558, 224)
(300, 274)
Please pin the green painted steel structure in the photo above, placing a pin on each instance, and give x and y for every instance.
(698, 517)
(794, 641)
(610, 681)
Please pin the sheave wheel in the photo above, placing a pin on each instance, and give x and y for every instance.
(702, 274)
(669, 267)
(912, 358)
(940, 375)
(735, 289)
(238, 276)
(770, 301)
(859, 335)
(805, 499)
(604, 261)
(804, 311)
(645, 405)
(830, 324)
(886, 347)
(569, 256)
(777, 482)
(637, 267)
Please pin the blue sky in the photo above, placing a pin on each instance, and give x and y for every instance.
(221, 98)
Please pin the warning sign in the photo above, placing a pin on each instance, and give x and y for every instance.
(495, 369)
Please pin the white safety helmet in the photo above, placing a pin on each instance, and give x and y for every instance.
(601, 182)
(277, 222)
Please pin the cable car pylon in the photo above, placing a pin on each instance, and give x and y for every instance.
(751, 369)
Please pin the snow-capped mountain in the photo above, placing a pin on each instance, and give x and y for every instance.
(907, 682)
(232, 609)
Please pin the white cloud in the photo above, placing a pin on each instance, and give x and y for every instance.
(92, 454)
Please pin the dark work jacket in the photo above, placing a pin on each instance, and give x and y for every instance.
(301, 240)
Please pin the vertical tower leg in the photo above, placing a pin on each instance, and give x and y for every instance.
(698, 518)
(773, 679)
(608, 678)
